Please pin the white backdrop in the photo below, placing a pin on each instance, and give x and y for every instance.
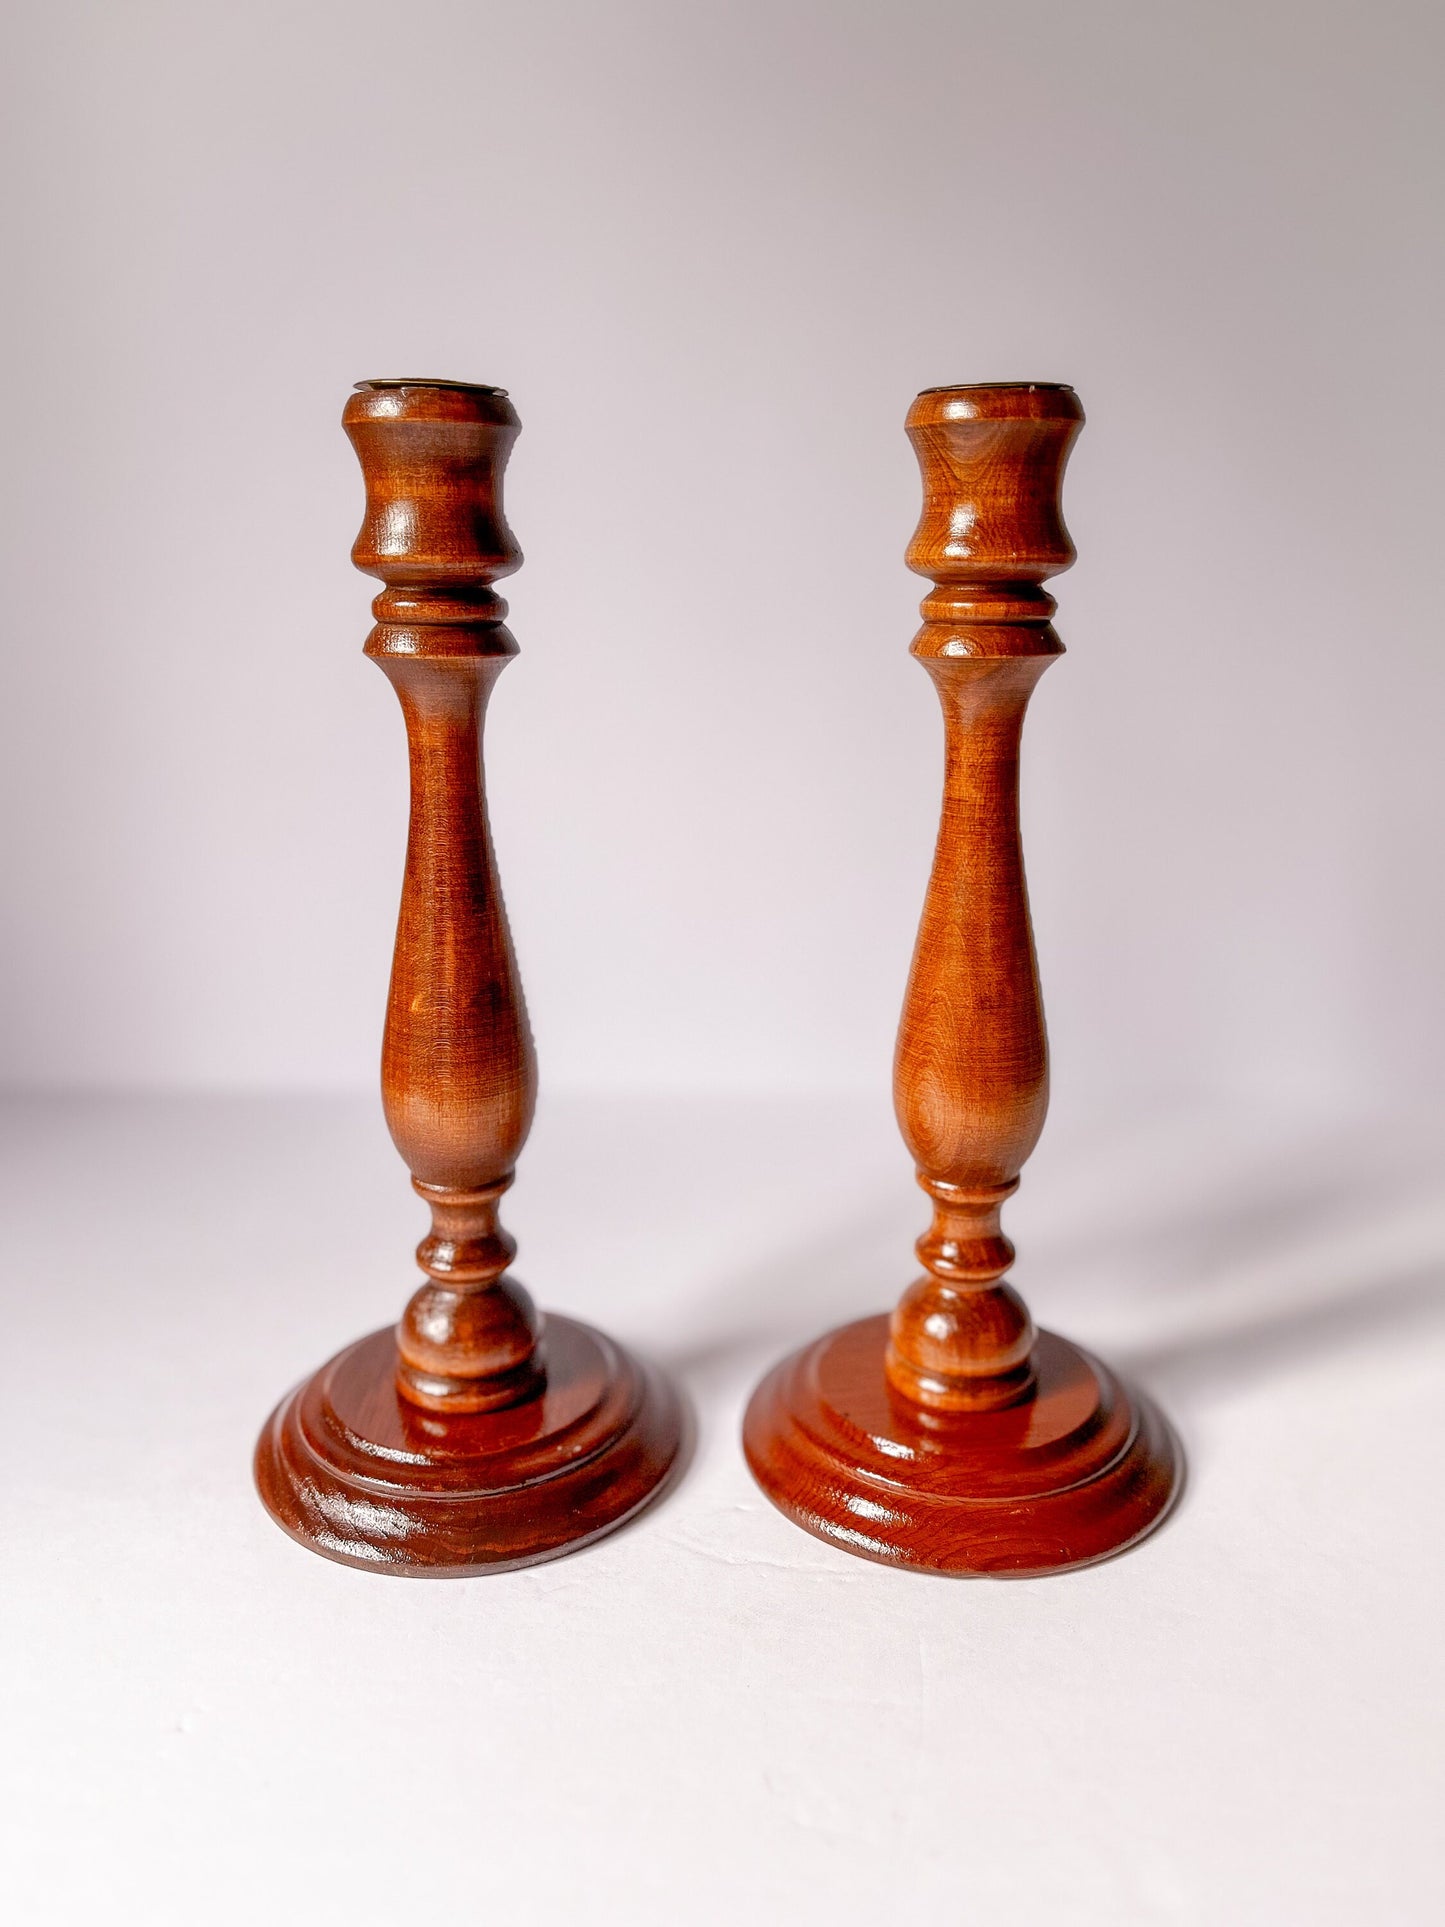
(713, 251)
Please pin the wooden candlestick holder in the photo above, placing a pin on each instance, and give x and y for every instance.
(953, 1437)
(477, 1435)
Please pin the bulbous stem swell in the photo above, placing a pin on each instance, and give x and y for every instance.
(458, 1070)
(971, 1077)
(469, 1339)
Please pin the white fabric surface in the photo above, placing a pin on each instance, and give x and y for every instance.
(710, 1717)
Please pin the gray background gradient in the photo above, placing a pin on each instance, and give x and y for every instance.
(713, 252)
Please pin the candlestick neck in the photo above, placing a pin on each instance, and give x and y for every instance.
(991, 532)
(432, 455)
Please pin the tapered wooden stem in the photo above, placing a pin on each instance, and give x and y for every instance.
(971, 1071)
(475, 1436)
(459, 1076)
(953, 1437)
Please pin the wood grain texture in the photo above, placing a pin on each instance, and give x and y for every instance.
(493, 1436)
(911, 1440)
(353, 1470)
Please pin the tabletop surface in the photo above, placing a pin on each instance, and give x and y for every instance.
(711, 1717)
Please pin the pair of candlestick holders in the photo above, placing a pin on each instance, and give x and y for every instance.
(479, 1435)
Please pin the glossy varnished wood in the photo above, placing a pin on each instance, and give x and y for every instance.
(953, 1437)
(355, 1470)
(478, 1434)
(1076, 1470)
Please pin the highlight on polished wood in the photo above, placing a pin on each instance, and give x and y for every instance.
(953, 1437)
(478, 1435)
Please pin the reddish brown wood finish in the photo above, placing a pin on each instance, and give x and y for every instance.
(478, 1436)
(953, 1437)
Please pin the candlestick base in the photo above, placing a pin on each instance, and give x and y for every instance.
(1079, 1470)
(355, 1471)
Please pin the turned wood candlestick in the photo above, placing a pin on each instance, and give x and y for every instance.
(477, 1435)
(953, 1437)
